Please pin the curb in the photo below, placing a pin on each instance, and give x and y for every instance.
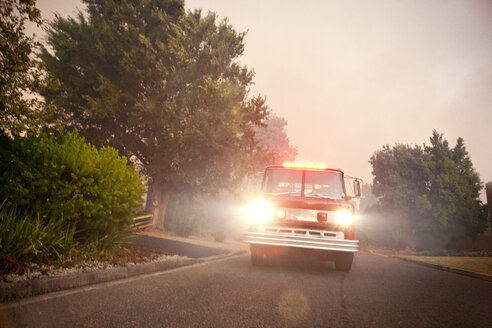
(476, 275)
(220, 256)
(15, 291)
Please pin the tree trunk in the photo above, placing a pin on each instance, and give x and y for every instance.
(160, 200)
(149, 208)
(409, 242)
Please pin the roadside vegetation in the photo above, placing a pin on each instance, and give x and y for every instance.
(63, 199)
(109, 104)
(425, 199)
(173, 82)
(428, 197)
(166, 89)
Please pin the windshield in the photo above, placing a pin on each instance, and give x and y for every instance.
(327, 184)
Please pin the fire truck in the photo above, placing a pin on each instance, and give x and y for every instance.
(304, 210)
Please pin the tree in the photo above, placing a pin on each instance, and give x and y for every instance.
(161, 85)
(455, 189)
(275, 140)
(434, 191)
(20, 72)
(400, 175)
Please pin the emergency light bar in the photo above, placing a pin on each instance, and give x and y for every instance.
(304, 166)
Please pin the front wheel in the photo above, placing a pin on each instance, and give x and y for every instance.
(343, 261)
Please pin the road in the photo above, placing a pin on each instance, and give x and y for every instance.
(378, 292)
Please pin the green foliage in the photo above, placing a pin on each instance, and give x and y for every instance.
(20, 73)
(434, 190)
(66, 179)
(30, 239)
(160, 84)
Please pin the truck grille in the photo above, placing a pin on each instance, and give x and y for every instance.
(301, 238)
(305, 232)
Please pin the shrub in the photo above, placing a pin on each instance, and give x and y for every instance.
(67, 180)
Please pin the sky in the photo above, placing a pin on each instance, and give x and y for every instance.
(351, 76)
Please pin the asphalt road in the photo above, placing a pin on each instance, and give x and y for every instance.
(378, 292)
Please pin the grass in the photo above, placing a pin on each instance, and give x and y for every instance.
(479, 264)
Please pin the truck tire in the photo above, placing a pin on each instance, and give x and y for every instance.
(343, 261)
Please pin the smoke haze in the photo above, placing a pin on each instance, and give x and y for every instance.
(351, 76)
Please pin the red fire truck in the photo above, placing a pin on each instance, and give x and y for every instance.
(304, 209)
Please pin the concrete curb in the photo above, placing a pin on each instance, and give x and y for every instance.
(14, 291)
(482, 276)
(216, 257)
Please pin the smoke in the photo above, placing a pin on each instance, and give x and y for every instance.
(380, 229)
(219, 215)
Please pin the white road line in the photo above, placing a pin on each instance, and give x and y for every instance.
(378, 254)
(53, 295)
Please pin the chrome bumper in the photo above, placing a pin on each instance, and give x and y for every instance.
(302, 238)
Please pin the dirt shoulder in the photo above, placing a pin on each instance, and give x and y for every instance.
(478, 264)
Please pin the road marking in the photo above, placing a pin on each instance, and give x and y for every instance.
(378, 254)
(53, 295)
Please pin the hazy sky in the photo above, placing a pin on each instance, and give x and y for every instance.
(351, 76)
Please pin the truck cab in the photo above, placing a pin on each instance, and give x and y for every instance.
(303, 209)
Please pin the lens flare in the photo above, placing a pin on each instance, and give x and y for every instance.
(294, 307)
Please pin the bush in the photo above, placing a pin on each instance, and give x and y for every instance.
(67, 180)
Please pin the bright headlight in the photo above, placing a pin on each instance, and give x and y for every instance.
(281, 214)
(259, 212)
(344, 218)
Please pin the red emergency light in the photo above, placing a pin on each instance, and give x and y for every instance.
(304, 166)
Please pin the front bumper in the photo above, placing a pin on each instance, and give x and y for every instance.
(302, 238)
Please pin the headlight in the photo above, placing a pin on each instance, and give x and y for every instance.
(259, 212)
(344, 218)
(281, 214)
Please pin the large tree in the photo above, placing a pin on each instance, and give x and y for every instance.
(434, 190)
(275, 140)
(20, 71)
(161, 85)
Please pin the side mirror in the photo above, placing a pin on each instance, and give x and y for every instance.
(357, 190)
